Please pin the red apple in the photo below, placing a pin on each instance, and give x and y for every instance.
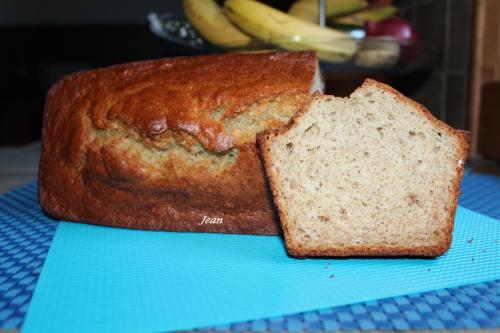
(395, 26)
(400, 29)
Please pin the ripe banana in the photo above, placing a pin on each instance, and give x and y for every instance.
(208, 19)
(278, 28)
(308, 10)
(373, 14)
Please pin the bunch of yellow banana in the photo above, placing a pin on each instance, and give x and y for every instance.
(308, 10)
(209, 20)
(278, 28)
(358, 18)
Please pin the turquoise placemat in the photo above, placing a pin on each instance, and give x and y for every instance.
(102, 279)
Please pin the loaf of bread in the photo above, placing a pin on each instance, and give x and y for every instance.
(170, 144)
(371, 175)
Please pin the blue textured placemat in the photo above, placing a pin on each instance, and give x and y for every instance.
(475, 306)
(481, 193)
(22, 252)
(25, 237)
(103, 279)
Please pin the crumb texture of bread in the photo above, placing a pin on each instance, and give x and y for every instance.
(162, 144)
(374, 174)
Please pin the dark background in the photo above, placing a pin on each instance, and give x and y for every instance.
(43, 40)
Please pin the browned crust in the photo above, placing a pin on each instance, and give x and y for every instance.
(427, 251)
(262, 144)
(81, 181)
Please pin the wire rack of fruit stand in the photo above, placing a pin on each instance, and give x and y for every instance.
(348, 35)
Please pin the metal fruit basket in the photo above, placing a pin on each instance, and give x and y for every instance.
(348, 52)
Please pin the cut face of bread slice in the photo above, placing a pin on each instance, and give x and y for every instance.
(374, 174)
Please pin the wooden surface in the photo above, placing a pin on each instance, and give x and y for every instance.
(486, 60)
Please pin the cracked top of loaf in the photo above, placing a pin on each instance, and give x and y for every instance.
(181, 94)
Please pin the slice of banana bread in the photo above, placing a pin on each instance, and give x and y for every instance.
(374, 174)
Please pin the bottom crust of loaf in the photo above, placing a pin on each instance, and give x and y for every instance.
(346, 251)
(167, 218)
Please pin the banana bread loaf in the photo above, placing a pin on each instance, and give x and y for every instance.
(170, 144)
